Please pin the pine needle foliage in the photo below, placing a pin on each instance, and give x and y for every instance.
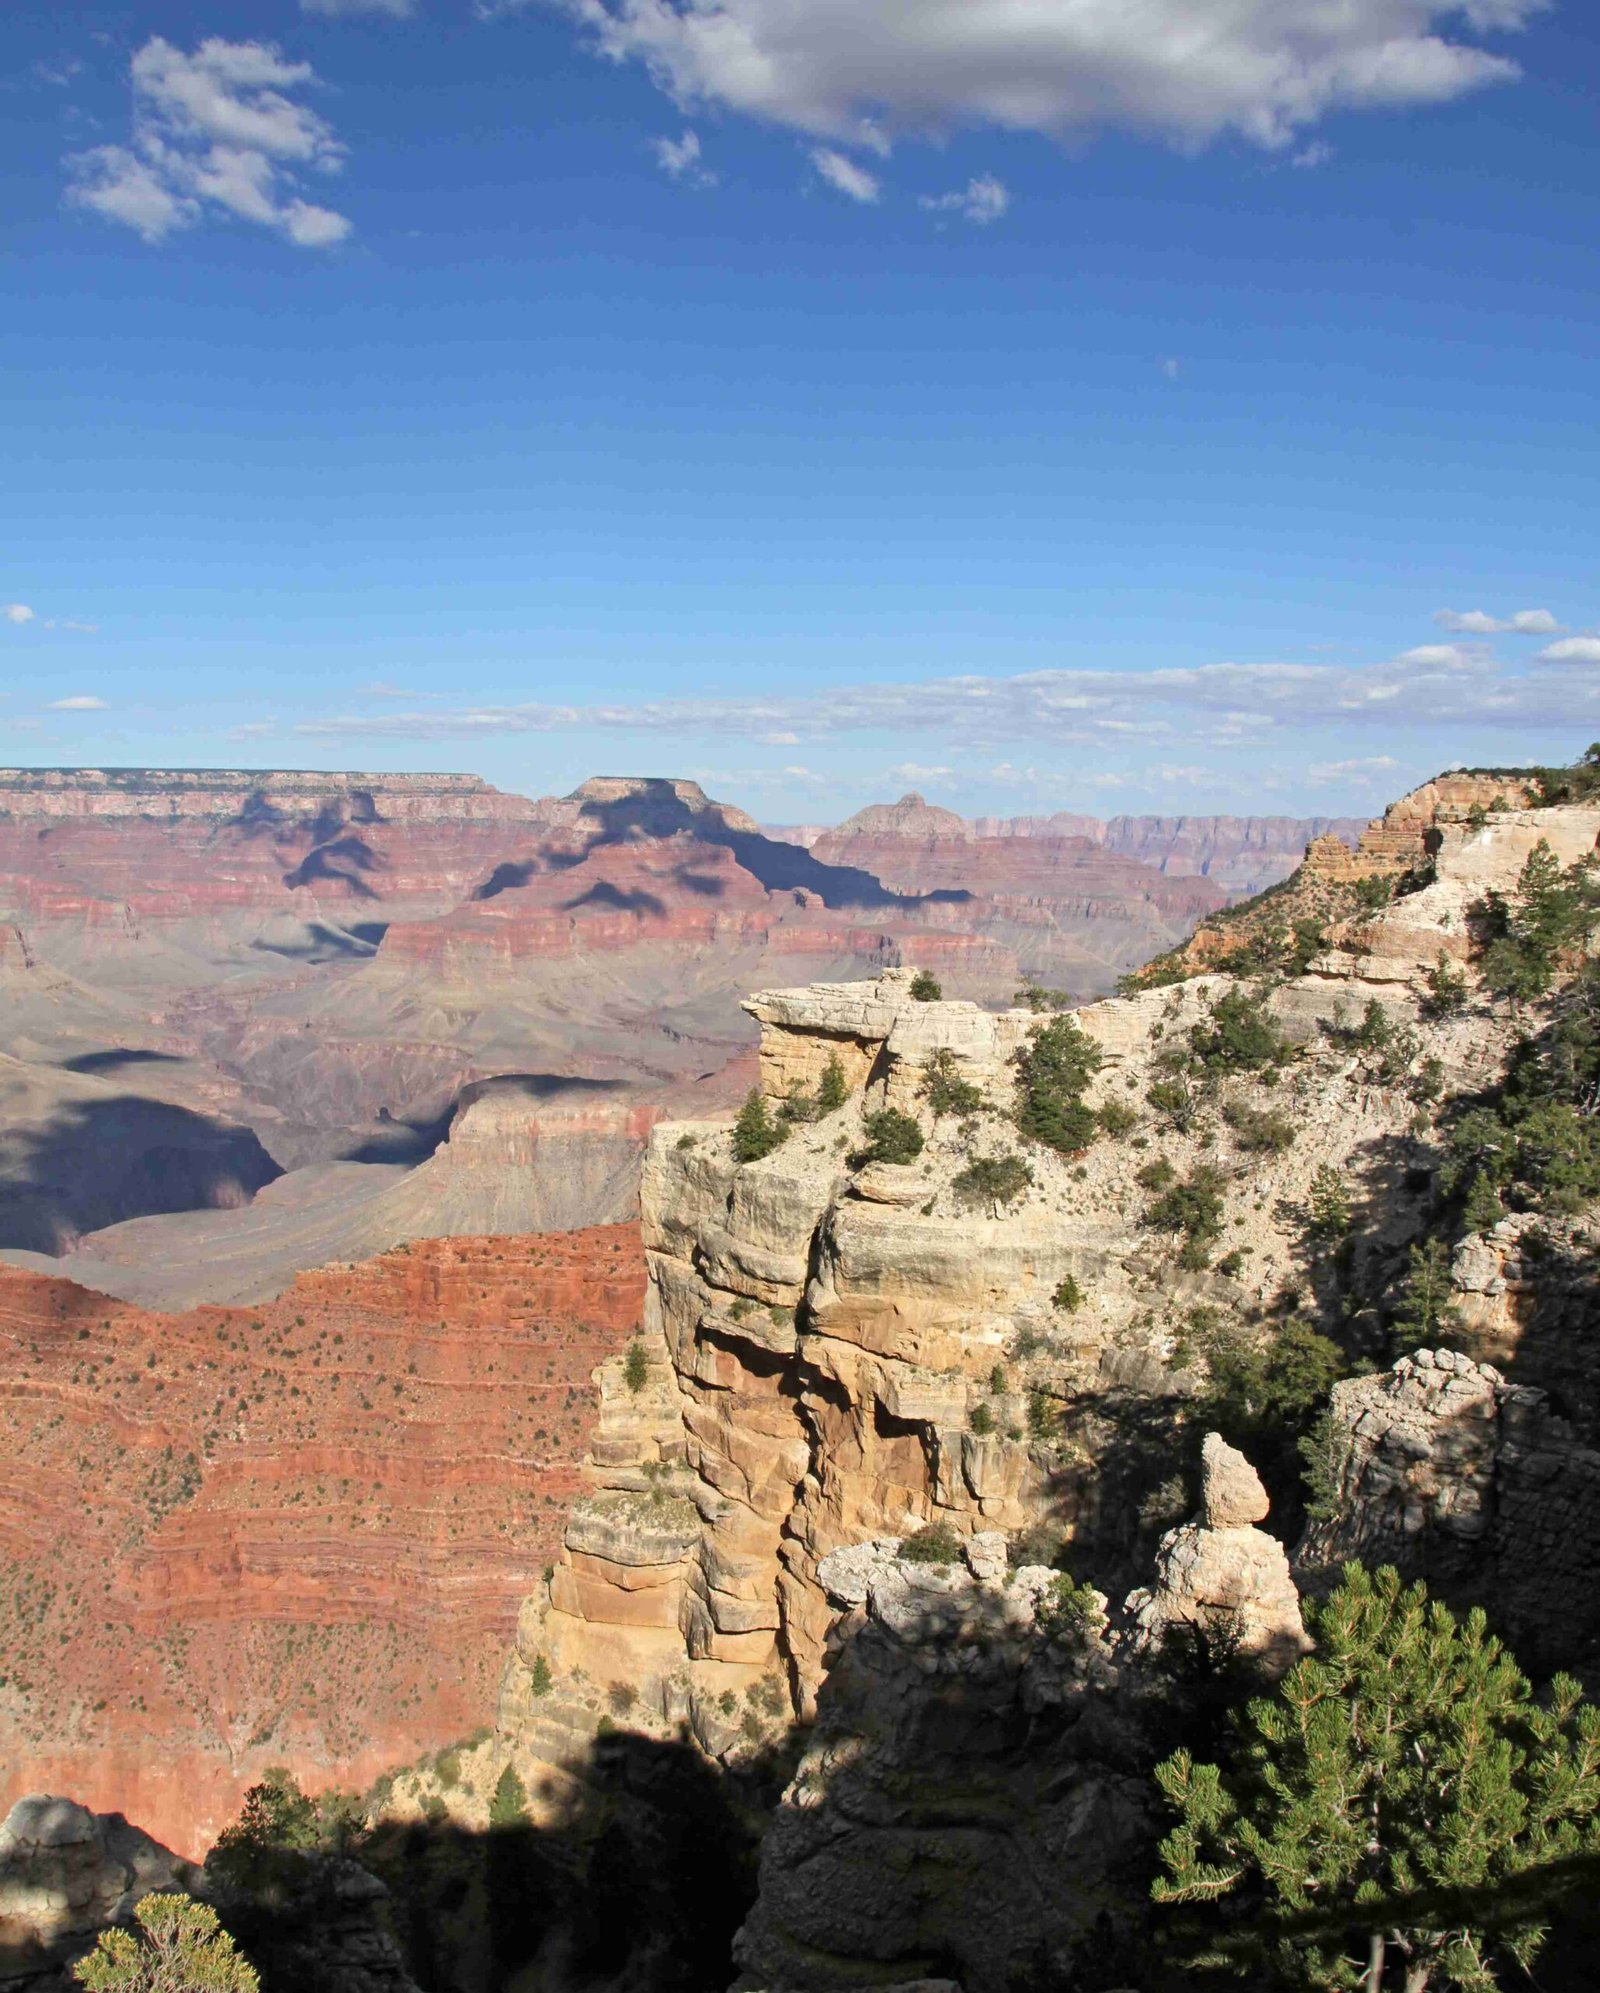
(176, 1946)
(1401, 1814)
(755, 1133)
(1054, 1069)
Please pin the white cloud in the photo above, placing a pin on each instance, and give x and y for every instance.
(1316, 154)
(80, 702)
(845, 174)
(398, 9)
(1265, 69)
(1450, 656)
(214, 132)
(1364, 769)
(1171, 367)
(17, 612)
(982, 200)
(1475, 623)
(1186, 707)
(919, 771)
(680, 158)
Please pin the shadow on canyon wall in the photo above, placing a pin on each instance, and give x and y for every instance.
(95, 1163)
(656, 810)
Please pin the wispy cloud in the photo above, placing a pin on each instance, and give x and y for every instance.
(845, 175)
(396, 9)
(18, 613)
(680, 159)
(982, 200)
(1475, 623)
(214, 133)
(1214, 705)
(77, 702)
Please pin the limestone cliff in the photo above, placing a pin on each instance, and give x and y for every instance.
(835, 1353)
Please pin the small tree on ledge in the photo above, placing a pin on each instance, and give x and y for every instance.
(755, 1133)
(926, 987)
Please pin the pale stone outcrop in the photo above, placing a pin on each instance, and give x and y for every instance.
(65, 1873)
(1222, 1580)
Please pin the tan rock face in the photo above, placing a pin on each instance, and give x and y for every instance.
(1231, 1494)
(1222, 1579)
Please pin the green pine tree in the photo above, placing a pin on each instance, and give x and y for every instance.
(1400, 1814)
(176, 1946)
(755, 1133)
(926, 987)
(1427, 1316)
(636, 1368)
(509, 1805)
(832, 1092)
(1483, 1209)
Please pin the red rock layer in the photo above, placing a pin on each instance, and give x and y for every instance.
(294, 1534)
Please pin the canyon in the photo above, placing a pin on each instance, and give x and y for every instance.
(255, 1019)
(297, 1534)
(821, 1442)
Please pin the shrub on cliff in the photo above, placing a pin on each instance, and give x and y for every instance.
(926, 987)
(892, 1137)
(1054, 1069)
(934, 1543)
(755, 1133)
(943, 1088)
(1402, 1807)
(832, 1091)
(1192, 1207)
(508, 1806)
(636, 1368)
(1426, 1315)
(1526, 936)
(176, 1946)
(264, 1852)
(993, 1180)
(1237, 1035)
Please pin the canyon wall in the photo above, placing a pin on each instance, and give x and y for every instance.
(290, 1535)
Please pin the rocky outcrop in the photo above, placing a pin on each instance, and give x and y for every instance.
(1221, 1579)
(1443, 1469)
(296, 1534)
(65, 1873)
(970, 1753)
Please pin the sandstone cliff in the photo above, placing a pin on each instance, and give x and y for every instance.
(838, 1356)
(296, 1534)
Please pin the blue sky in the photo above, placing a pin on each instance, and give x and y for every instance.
(1049, 406)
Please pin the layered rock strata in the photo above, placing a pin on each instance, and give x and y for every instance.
(297, 1534)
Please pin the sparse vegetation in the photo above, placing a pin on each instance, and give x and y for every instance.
(636, 1368)
(943, 1088)
(1426, 1315)
(1068, 1295)
(755, 1133)
(993, 1180)
(1054, 1069)
(892, 1137)
(934, 1543)
(1257, 1130)
(926, 987)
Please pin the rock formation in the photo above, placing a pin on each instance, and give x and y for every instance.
(1443, 1469)
(1220, 1577)
(67, 1873)
(294, 1535)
